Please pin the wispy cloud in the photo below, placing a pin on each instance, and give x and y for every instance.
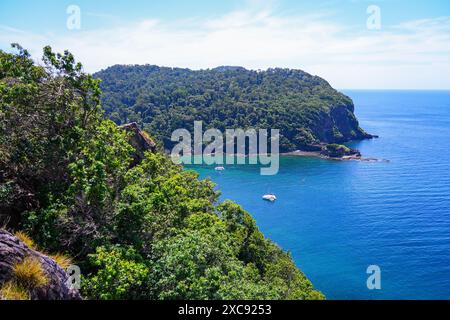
(414, 54)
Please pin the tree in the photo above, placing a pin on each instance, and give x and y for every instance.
(145, 230)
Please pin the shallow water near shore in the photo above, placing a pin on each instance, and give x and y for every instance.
(339, 217)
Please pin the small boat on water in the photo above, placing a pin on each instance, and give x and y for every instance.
(269, 197)
(219, 168)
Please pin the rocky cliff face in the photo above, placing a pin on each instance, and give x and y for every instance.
(338, 126)
(140, 141)
(13, 252)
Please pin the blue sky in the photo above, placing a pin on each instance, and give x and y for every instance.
(411, 50)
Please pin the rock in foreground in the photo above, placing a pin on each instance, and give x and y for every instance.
(50, 285)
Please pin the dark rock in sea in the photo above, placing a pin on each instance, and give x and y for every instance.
(339, 151)
(14, 251)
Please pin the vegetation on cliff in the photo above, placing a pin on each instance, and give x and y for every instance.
(139, 226)
(306, 109)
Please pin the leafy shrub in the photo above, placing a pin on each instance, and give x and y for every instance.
(121, 274)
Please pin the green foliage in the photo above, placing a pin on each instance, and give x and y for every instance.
(201, 262)
(305, 108)
(44, 224)
(337, 150)
(252, 245)
(147, 230)
(44, 113)
(337, 147)
(103, 159)
(122, 274)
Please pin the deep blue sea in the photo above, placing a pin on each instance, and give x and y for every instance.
(337, 218)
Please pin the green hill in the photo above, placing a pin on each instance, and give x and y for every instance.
(306, 109)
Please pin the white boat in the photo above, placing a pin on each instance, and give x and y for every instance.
(219, 168)
(269, 197)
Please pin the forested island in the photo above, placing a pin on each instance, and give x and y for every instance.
(77, 189)
(310, 114)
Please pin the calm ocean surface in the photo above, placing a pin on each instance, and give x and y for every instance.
(337, 218)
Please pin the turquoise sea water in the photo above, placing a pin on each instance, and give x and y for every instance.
(337, 218)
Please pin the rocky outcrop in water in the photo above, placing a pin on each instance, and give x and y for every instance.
(339, 151)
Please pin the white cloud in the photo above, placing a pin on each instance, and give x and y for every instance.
(413, 54)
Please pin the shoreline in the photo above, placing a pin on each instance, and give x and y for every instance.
(317, 154)
(310, 154)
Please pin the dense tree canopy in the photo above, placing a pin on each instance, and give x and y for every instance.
(138, 231)
(306, 109)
